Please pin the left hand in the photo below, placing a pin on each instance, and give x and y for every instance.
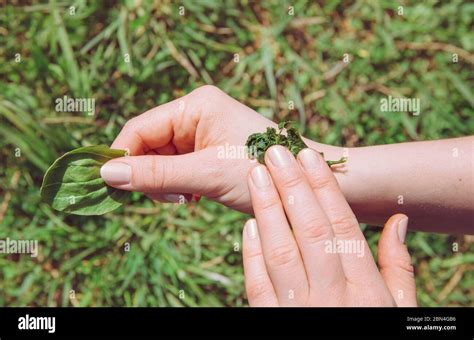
(323, 259)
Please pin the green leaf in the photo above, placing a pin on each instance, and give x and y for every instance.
(258, 143)
(73, 184)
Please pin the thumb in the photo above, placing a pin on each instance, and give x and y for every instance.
(395, 261)
(192, 173)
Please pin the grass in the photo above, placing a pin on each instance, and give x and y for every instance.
(190, 256)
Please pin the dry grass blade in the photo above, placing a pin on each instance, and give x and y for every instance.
(436, 46)
(8, 195)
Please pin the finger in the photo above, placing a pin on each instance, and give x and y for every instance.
(171, 198)
(152, 129)
(168, 149)
(188, 173)
(311, 227)
(356, 258)
(282, 257)
(395, 261)
(258, 286)
(174, 122)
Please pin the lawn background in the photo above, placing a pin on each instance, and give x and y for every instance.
(195, 250)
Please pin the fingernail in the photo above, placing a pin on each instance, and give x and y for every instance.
(251, 229)
(402, 229)
(116, 173)
(260, 176)
(309, 159)
(279, 156)
(175, 198)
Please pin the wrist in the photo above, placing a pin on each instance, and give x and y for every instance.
(331, 152)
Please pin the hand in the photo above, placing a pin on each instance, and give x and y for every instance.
(175, 149)
(323, 259)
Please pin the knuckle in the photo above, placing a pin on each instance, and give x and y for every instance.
(291, 180)
(345, 226)
(254, 254)
(257, 289)
(404, 263)
(282, 256)
(131, 124)
(401, 263)
(207, 100)
(267, 203)
(153, 174)
(315, 230)
(208, 91)
(132, 128)
(322, 182)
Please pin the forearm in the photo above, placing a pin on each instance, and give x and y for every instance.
(431, 182)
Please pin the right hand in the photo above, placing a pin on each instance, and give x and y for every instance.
(305, 247)
(174, 150)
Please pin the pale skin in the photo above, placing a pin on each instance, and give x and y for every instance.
(299, 266)
(175, 150)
